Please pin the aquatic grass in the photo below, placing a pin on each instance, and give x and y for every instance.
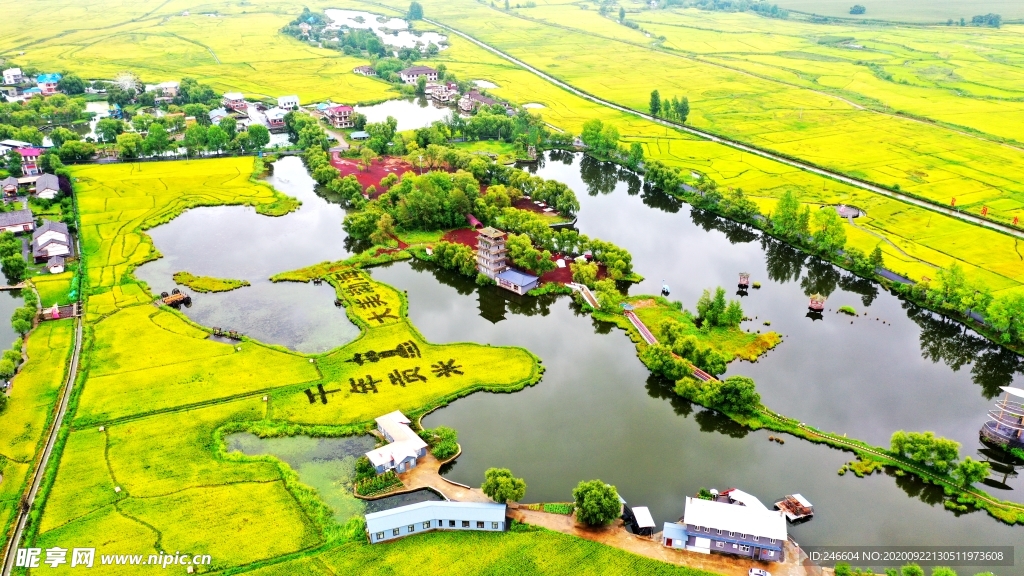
(207, 283)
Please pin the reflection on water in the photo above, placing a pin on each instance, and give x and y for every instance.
(391, 31)
(236, 242)
(411, 113)
(326, 464)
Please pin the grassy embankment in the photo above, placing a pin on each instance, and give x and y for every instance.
(208, 283)
(166, 395)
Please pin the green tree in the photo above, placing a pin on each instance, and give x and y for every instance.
(944, 571)
(108, 129)
(7, 369)
(911, 570)
(499, 485)
(682, 109)
(157, 140)
(14, 268)
(415, 11)
(926, 448)
(597, 503)
(829, 235)
(14, 165)
(216, 139)
(655, 105)
(659, 359)
(969, 472)
(230, 127)
(60, 135)
(75, 151)
(259, 136)
(737, 395)
(876, 259)
(71, 84)
(129, 145)
(584, 273)
(622, 14)
(421, 85)
(194, 139)
(636, 155)
(786, 218)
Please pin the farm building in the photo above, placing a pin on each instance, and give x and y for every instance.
(733, 522)
(365, 70)
(426, 516)
(55, 265)
(404, 446)
(47, 186)
(13, 76)
(275, 119)
(516, 281)
(47, 83)
(412, 74)
(49, 240)
(9, 186)
(17, 221)
(288, 102)
(339, 116)
(234, 101)
(30, 160)
(218, 114)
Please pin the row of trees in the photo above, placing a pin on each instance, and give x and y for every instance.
(596, 503)
(940, 454)
(677, 109)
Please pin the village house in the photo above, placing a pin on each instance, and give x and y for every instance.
(17, 221)
(9, 186)
(13, 76)
(217, 114)
(165, 91)
(443, 515)
(50, 240)
(365, 70)
(288, 102)
(29, 160)
(275, 119)
(47, 186)
(516, 281)
(412, 74)
(732, 522)
(473, 100)
(442, 92)
(339, 116)
(234, 101)
(47, 83)
(404, 447)
(55, 265)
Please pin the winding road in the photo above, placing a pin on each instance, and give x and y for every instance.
(970, 218)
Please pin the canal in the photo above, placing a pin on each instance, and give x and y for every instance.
(598, 413)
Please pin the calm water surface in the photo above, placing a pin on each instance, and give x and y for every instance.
(598, 413)
(411, 113)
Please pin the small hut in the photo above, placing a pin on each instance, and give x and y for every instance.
(744, 279)
(817, 303)
(54, 312)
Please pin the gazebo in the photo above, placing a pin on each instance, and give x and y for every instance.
(1006, 422)
(744, 279)
(817, 303)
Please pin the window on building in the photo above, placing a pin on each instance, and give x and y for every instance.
(494, 525)
(708, 530)
(719, 531)
(465, 523)
(772, 540)
(451, 523)
(396, 532)
(744, 548)
(426, 524)
(380, 535)
(412, 527)
(720, 544)
(731, 533)
(479, 524)
(757, 538)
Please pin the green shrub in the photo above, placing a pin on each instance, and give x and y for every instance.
(378, 484)
(596, 503)
(7, 368)
(848, 310)
(364, 469)
(445, 449)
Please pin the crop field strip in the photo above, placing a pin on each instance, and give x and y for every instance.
(163, 393)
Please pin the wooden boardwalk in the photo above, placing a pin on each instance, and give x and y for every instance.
(645, 332)
(587, 294)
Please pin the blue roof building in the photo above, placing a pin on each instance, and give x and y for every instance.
(425, 516)
(48, 78)
(516, 281)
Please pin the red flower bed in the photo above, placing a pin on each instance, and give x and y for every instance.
(372, 176)
(464, 236)
(529, 206)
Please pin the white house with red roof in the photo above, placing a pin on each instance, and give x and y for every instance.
(404, 447)
(339, 116)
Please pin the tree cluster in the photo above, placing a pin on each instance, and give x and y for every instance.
(597, 503)
(12, 263)
(688, 346)
(522, 253)
(443, 441)
(502, 487)
(677, 109)
(993, 20)
(455, 257)
(939, 453)
(734, 395)
(715, 312)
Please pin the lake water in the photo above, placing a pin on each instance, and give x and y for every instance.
(598, 413)
(391, 31)
(411, 113)
(236, 242)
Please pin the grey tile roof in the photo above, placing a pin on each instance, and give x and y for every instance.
(16, 217)
(47, 181)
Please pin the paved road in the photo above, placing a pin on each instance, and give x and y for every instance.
(744, 147)
(45, 456)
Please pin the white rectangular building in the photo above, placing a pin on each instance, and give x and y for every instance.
(424, 516)
(288, 102)
(13, 76)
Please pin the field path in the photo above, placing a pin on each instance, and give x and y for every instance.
(44, 457)
(970, 218)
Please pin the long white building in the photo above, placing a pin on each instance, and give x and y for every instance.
(424, 516)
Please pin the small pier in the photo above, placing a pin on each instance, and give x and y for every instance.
(795, 507)
(587, 294)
